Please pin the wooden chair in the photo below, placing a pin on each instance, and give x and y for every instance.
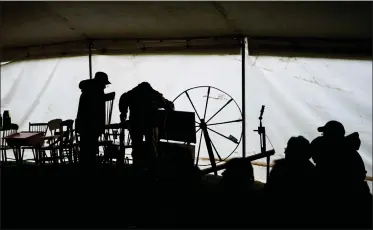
(35, 127)
(76, 144)
(66, 141)
(4, 132)
(51, 140)
(114, 135)
(109, 101)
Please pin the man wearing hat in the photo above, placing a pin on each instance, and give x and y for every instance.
(339, 149)
(90, 120)
(332, 129)
(341, 174)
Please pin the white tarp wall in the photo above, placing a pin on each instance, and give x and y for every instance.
(300, 94)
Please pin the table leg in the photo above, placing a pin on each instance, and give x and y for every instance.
(37, 158)
(17, 154)
(40, 153)
(20, 156)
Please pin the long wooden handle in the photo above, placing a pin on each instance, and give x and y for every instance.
(249, 158)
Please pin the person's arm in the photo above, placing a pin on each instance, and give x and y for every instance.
(170, 104)
(123, 106)
(163, 102)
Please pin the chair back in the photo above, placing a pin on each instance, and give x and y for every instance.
(113, 137)
(109, 101)
(54, 125)
(76, 135)
(38, 127)
(67, 134)
(112, 133)
(11, 129)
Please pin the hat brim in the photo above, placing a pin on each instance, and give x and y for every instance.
(107, 83)
(321, 129)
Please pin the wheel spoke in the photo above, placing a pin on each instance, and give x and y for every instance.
(222, 135)
(199, 147)
(192, 105)
(207, 101)
(225, 122)
(215, 150)
(220, 110)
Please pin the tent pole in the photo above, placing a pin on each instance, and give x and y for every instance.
(90, 58)
(243, 56)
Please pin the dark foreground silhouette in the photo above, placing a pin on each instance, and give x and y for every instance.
(332, 193)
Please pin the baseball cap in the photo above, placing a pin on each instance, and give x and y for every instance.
(102, 77)
(332, 127)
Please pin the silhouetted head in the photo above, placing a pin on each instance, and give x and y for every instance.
(144, 85)
(102, 78)
(332, 129)
(239, 169)
(298, 147)
(316, 147)
(353, 140)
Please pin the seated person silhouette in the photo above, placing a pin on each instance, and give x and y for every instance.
(291, 184)
(336, 154)
(341, 177)
(295, 167)
(239, 173)
(237, 195)
(143, 102)
(90, 120)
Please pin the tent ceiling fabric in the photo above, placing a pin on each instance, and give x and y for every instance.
(26, 24)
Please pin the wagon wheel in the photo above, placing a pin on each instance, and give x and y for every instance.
(222, 117)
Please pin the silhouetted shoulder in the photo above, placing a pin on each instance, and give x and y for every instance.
(89, 85)
(124, 98)
(85, 83)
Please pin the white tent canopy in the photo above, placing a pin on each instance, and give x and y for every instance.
(309, 90)
(45, 29)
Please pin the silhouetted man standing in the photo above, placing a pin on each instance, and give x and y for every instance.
(291, 185)
(143, 102)
(90, 121)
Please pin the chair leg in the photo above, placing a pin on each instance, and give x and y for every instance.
(5, 158)
(46, 156)
(33, 153)
(61, 156)
(55, 157)
(70, 155)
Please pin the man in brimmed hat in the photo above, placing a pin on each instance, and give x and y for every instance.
(332, 129)
(336, 154)
(90, 120)
(341, 170)
(102, 79)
